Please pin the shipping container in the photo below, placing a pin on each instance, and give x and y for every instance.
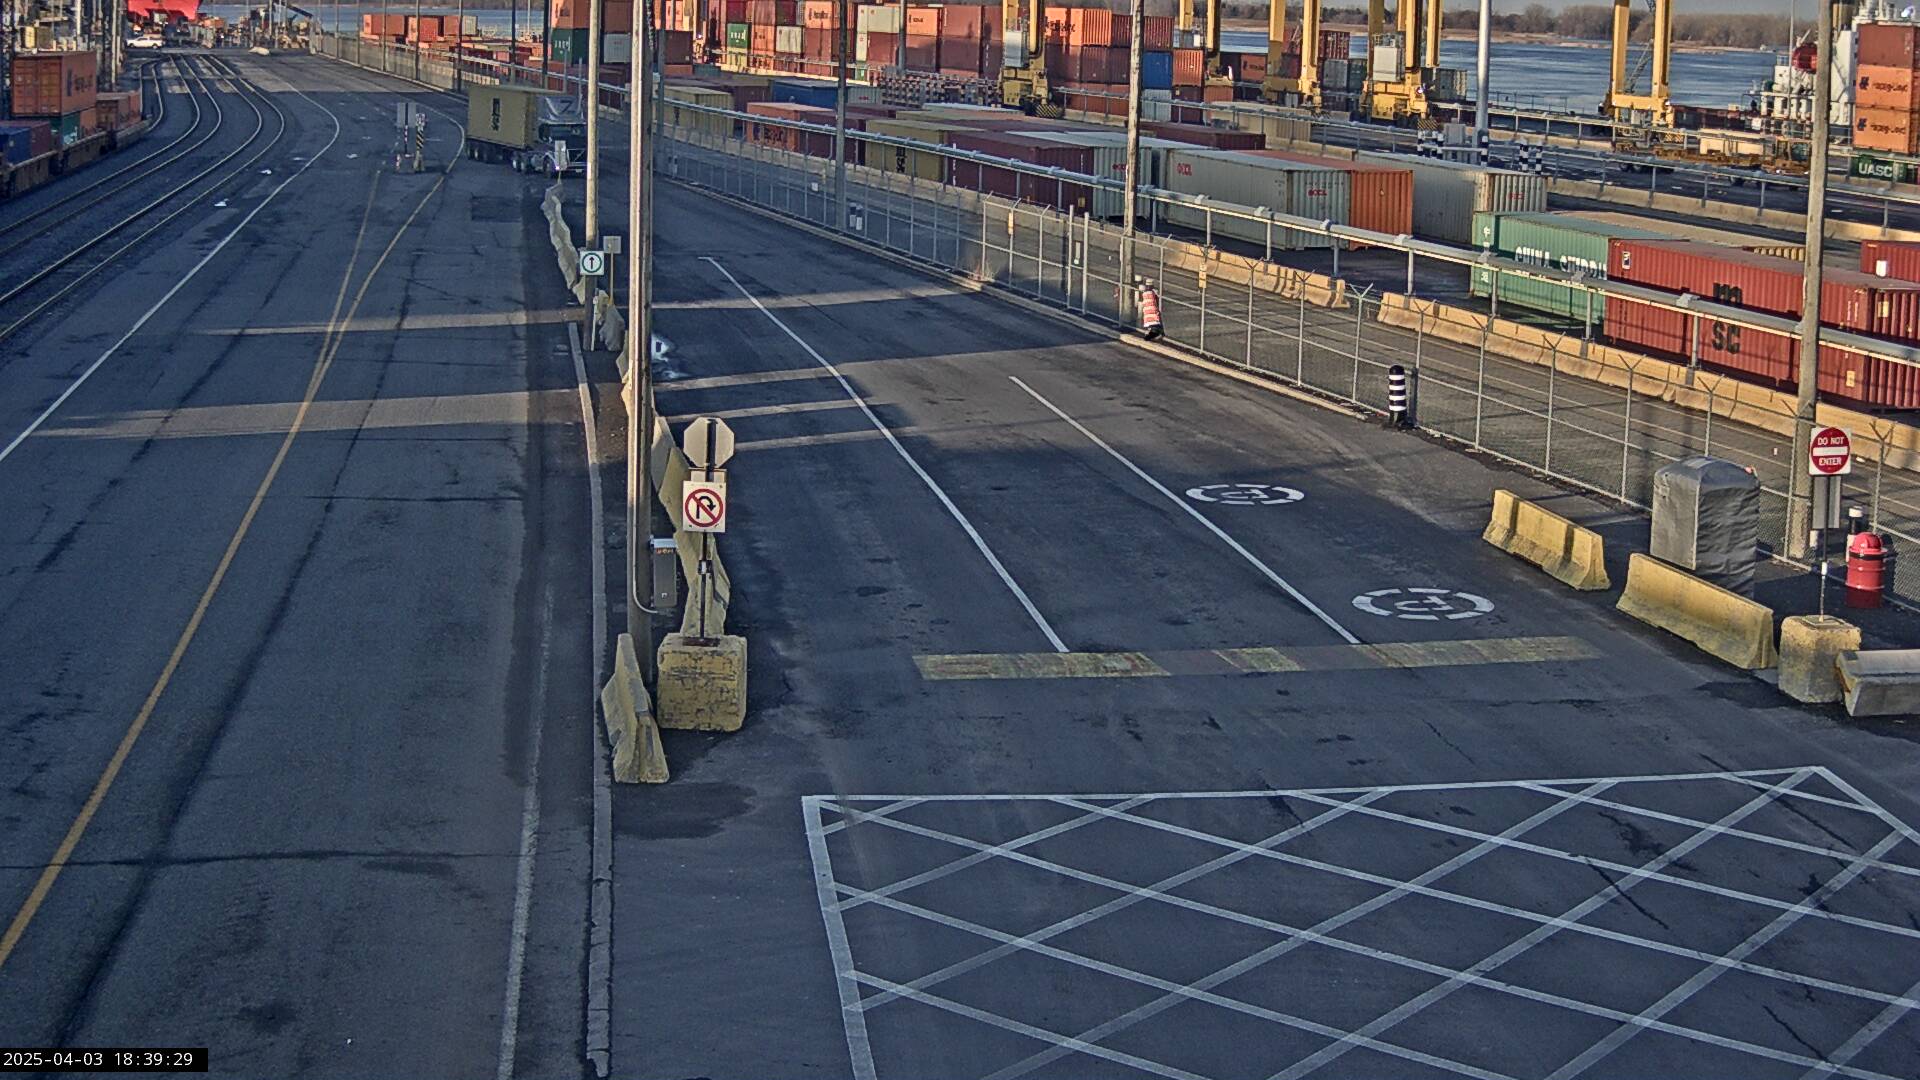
(1680, 230)
(905, 160)
(1379, 197)
(789, 40)
(40, 138)
(1852, 301)
(878, 19)
(1218, 138)
(922, 50)
(817, 14)
(1886, 45)
(1897, 259)
(925, 21)
(117, 109)
(1885, 88)
(1156, 70)
(1556, 242)
(1447, 194)
(879, 49)
(739, 36)
(1253, 181)
(1156, 32)
(16, 143)
(673, 96)
(49, 84)
(819, 93)
(773, 12)
(67, 129)
(1189, 67)
(1108, 159)
(1886, 129)
(1099, 26)
(1054, 192)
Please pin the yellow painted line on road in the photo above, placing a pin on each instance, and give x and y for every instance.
(1252, 661)
(329, 348)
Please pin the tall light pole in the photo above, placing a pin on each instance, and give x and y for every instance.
(1806, 404)
(840, 9)
(1133, 163)
(1480, 74)
(640, 342)
(593, 136)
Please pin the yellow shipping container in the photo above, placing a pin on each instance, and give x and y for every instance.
(900, 159)
(671, 97)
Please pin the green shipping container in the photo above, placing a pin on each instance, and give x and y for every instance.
(569, 46)
(1868, 167)
(1555, 242)
(739, 34)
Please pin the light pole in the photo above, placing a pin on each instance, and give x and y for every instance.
(1133, 163)
(840, 112)
(640, 343)
(1481, 74)
(593, 137)
(1806, 404)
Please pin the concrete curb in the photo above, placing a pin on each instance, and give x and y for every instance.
(1882, 682)
(1570, 554)
(1723, 624)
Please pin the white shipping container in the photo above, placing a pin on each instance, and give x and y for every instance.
(616, 49)
(1446, 194)
(1384, 64)
(789, 40)
(1234, 178)
(878, 19)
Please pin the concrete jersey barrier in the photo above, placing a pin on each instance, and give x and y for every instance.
(1572, 555)
(1724, 624)
(1881, 682)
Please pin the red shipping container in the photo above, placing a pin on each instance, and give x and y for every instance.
(1898, 259)
(923, 52)
(53, 83)
(1886, 45)
(883, 50)
(1850, 301)
(1098, 26)
(616, 17)
(760, 41)
(1011, 184)
(773, 12)
(817, 14)
(1247, 67)
(1189, 67)
(1156, 33)
(1335, 45)
(676, 46)
(813, 143)
(1099, 63)
(965, 23)
(735, 11)
(1059, 25)
(1218, 138)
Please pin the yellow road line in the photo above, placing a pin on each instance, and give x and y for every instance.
(1257, 660)
(329, 348)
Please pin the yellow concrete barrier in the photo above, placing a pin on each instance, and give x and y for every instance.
(637, 755)
(703, 687)
(1810, 648)
(1571, 554)
(1724, 624)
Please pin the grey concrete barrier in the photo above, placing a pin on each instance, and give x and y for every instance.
(1882, 682)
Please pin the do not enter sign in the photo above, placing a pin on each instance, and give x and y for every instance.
(1830, 453)
(703, 505)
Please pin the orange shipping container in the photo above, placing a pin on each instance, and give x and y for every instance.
(1379, 197)
(817, 14)
(1885, 88)
(53, 83)
(761, 43)
(617, 17)
(1098, 26)
(924, 21)
(1189, 67)
(568, 14)
(1885, 129)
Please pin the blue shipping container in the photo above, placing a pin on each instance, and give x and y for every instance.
(16, 143)
(1156, 71)
(805, 92)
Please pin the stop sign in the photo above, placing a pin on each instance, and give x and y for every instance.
(1830, 453)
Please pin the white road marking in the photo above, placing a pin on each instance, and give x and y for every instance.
(938, 493)
(859, 1050)
(1216, 530)
(600, 904)
(1246, 494)
(1423, 604)
(167, 297)
(529, 849)
(1526, 942)
(1357, 949)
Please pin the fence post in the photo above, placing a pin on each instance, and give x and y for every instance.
(1039, 255)
(1359, 306)
(1553, 371)
(1300, 335)
(1249, 360)
(1206, 254)
(1626, 436)
(1480, 379)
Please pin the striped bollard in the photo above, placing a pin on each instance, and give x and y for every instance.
(1398, 414)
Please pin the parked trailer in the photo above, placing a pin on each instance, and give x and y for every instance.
(18, 178)
(1446, 194)
(1240, 178)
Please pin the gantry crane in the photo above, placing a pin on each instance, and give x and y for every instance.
(1023, 74)
(1402, 95)
(1302, 89)
(1217, 74)
(1654, 106)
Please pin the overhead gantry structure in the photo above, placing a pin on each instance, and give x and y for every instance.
(1655, 107)
(1217, 74)
(1302, 89)
(1023, 72)
(1401, 94)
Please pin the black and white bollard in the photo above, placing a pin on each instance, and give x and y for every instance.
(1399, 414)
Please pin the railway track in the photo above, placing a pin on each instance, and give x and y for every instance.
(37, 291)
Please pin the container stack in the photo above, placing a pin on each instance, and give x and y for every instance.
(59, 89)
(1885, 102)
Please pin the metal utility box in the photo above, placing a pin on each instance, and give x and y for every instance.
(1706, 520)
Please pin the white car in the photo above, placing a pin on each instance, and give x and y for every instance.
(147, 41)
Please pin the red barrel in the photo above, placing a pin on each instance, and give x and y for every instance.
(1866, 570)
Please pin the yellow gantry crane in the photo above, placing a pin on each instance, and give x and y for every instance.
(1302, 89)
(1401, 94)
(1654, 106)
(1217, 74)
(1023, 74)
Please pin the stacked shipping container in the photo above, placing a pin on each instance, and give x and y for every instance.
(1885, 102)
(59, 88)
(1882, 307)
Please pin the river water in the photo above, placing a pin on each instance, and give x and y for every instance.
(1566, 77)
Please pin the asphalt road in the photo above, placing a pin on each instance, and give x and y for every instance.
(1123, 800)
(293, 606)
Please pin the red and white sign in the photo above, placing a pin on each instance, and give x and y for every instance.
(1830, 453)
(703, 506)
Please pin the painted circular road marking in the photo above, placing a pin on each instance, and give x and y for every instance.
(1426, 605)
(1245, 494)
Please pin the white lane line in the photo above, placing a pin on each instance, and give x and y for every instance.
(1493, 961)
(1396, 959)
(1626, 868)
(1681, 994)
(600, 903)
(938, 493)
(1267, 793)
(1281, 948)
(859, 1050)
(1859, 1040)
(1195, 514)
(898, 804)
(529, 848)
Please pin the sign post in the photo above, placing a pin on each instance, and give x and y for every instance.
(708, 443)
(1829, 458)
